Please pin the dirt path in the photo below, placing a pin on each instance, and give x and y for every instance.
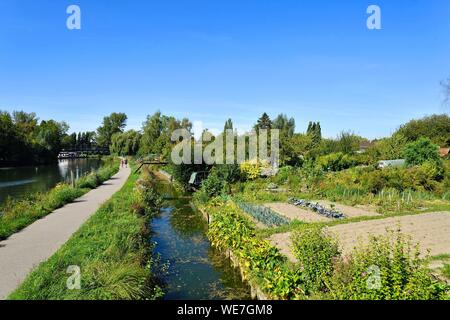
(23, 251)
(430, 230)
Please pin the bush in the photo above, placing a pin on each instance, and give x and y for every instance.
(252, 169)
(146, 199)
(213, 186)
(421, 151)
(336, 162)
(388, 268)
(315, 252)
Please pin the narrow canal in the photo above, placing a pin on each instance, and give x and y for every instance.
(18, 182)
(196, 270)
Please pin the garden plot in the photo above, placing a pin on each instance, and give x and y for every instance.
(295, 213)
(430, 230)
(349, 211)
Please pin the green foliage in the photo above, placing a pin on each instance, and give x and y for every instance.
(25, 141)
(263, 214)
(260, 261)
(337, 161)
(125, 143)
(263, 123)
(112, 124)
(114, 255)
(315, 253)
(435, 127)
(315, 132)
(420, 151)
(388, 268)
(157, 133)
(146, 198)
(251, 170)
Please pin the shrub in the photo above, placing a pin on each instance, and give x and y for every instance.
(90, 181)
(388, 268)
(252, 169)
(315, 252)
(336, 162)
(213, 186)
(146, 199)
(421, 151)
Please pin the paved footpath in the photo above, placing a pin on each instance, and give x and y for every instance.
(25, 250)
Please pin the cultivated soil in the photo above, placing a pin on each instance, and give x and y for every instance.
(430, 230)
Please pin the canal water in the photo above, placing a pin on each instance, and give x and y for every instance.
(196, 270)
(19, 182)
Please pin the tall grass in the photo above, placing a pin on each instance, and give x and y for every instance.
(112, 251)
(18, 214)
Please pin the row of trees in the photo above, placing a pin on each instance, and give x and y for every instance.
(24, 139)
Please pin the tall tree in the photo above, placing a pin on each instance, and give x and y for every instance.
(228, 125)
(112, 124)
(315, 132)
(263, 122)
(285, 125)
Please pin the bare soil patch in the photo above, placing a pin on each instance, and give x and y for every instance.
(295, 213)
(430, 230)
(349, 211)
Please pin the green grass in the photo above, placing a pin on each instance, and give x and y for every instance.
(446, 270)
(18, 214)
(112, 251)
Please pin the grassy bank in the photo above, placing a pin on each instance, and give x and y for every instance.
(18, 214)
(111, 249)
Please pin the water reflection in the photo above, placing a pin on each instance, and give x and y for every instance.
(21, 181)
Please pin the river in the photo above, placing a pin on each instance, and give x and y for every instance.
(196, 270)
(18, 182)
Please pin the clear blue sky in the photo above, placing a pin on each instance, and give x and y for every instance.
(213, 59)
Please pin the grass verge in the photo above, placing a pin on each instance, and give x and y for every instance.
(112, 252)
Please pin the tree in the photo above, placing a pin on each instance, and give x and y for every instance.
(421, 151)
(125, 143)
(315, 132)
(112, 124)
(285, 125)
(157, 134)
(228, 125)
(435, 127)
(263, 123)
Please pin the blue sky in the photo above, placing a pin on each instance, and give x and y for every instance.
(210, 60)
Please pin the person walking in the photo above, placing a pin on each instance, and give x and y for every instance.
(126, 163)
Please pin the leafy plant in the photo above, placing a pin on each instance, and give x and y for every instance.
(315, 252)
(264, 215)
